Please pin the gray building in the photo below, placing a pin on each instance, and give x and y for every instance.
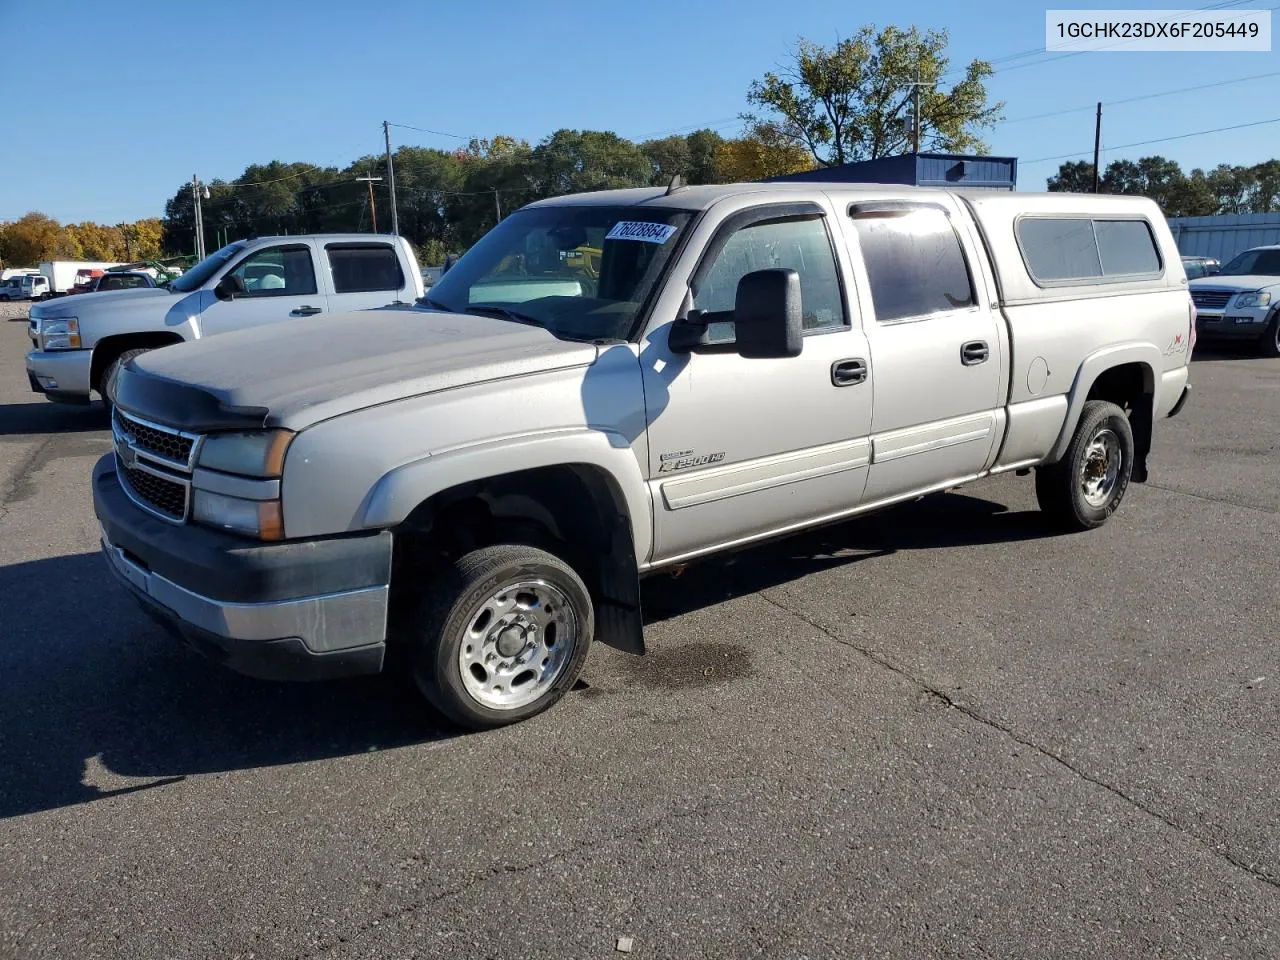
(921, 170)
(1226, 235)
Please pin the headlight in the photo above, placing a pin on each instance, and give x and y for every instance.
(257, 454)
(1253, 299)
(61, 334)
(257, 518)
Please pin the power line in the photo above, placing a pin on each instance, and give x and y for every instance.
(1076, 53)
(1143, 143)
(1146, 96)
(438, 133)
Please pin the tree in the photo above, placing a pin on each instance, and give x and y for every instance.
(761, 154)
(1075, 176)
(1231, 187)
(855, 101)
(35, 237)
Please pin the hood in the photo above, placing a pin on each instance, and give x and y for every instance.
(299, 372)
(1241, 284)
(82, 304)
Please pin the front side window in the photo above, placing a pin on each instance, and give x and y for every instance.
(802, 245)
(197, 276)
(365, 269)
(915, 264)
(581, 272)
(275, 272)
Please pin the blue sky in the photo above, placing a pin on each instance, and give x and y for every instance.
(111, 110)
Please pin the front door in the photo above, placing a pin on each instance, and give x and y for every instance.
(269, 284)
(742, 447)
(935, 348)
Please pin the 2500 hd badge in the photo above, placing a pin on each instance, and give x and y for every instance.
(685, 459)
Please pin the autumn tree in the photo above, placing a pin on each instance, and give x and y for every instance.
(855, 101)
(761, 154)
(35, 237)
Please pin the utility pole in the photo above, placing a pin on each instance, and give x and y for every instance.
(373, 206)
(198, 188)
(1097, 146)
(497, 206)
(391, 177)
(915, 109)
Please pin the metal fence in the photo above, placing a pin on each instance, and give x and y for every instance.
(1224, 236)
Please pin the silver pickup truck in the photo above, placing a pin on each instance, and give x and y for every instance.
(477, 483)
(80, 343)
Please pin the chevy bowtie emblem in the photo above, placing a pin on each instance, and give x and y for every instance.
(126, 453)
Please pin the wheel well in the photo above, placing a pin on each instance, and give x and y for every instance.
(108, 348)
(573, 510)
(1131, 387)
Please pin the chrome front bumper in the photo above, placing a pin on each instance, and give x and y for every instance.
(61, 374)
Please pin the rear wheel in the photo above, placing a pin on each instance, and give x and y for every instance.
(107, 382)
(1085, 487)
(501, 636)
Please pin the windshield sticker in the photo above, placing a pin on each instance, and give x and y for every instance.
(642, 231)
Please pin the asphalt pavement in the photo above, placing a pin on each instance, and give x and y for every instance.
(935, 732)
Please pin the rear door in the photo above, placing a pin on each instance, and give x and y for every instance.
(935, 346)
(364, 275)
(269, 284)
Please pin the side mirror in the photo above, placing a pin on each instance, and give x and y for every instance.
(229, 287)
(766, 321)
(766, 315)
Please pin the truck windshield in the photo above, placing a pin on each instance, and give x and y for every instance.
(1264, 262)
(195, 278)
(583, 273)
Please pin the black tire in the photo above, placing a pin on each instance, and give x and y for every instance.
(1271, 339)
(1060, 486)
(436, 630)
(106, 383)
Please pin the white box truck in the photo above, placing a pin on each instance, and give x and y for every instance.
(62, 274)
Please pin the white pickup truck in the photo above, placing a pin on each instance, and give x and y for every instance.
(480, 481)
(79, 343)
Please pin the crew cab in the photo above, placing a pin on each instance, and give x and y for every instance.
(474, 485)
(1242, 300)
(79, 343)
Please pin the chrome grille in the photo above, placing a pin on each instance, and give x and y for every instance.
(163, 443)
(1210, 299)
(154, 464)
(163, 495)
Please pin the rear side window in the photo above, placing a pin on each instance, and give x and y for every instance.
(365, 269)
(915, 264)
(1065, 249)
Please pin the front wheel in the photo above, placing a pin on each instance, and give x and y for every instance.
(107, 383)
(1271, 339)
(501, 636)
(1083, 489)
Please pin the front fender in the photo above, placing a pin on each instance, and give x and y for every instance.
(402, 489)
(1094, 366)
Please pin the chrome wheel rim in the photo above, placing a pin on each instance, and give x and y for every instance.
(1101, 468)
(517, 643)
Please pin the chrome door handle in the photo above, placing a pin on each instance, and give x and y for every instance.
(305, 312)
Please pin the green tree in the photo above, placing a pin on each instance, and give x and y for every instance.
(1231, 187)
(1264, 193)
(1075, 176)
(855, 101)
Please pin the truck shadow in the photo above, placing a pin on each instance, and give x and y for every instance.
(43, 417)
(96, 701)
(937, 521)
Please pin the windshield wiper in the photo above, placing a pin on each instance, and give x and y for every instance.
(506, 314)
